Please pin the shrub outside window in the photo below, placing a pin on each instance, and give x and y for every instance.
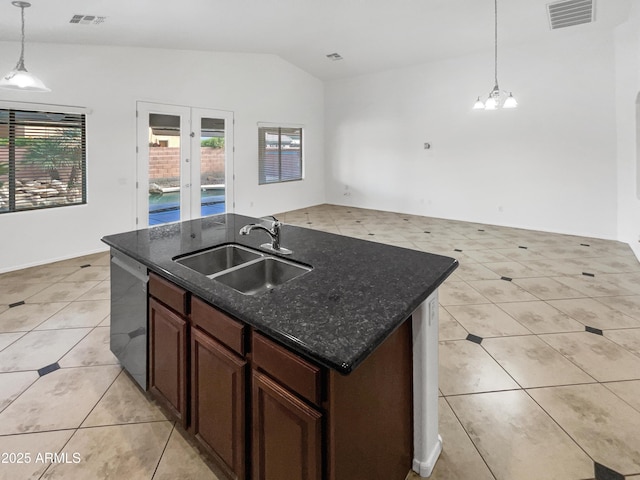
(42, 160)
(280, 154)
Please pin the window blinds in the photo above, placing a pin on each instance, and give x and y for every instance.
(279, 154)
(42, 160)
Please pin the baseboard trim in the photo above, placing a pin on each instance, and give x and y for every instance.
(425, 468)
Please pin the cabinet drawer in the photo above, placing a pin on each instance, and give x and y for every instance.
(292, 371)
(168, 293)
(223, 328)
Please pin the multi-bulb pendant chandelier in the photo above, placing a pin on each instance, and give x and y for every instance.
(19, 78)
(497, 98)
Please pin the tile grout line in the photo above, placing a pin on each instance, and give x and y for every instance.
(60, 450)
(164, 449)
(452, 231)
(572, 361)
(575, 441)
(604, 384)
(455, 414)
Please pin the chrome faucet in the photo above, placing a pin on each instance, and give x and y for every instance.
(274, 233)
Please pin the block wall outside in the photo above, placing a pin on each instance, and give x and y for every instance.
(25, 172)
(164, 163)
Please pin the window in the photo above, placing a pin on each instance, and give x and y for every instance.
(42, 160)
(280, 154)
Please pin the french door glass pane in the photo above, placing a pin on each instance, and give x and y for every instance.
(212, 178)
(164, 168)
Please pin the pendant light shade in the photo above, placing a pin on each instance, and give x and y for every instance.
(19, 78)
(510, 102)
(491, 104)
(496, 98)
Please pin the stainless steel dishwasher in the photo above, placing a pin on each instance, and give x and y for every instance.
(128, 343)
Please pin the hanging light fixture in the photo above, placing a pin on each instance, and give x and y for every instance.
(497, 98)
(19, 78)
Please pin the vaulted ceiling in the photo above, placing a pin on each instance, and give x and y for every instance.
(370, 35)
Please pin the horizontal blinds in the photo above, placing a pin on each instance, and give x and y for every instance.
(290, 154)
(5, 184)
(268, 154)
(280, 154)
(42, 160)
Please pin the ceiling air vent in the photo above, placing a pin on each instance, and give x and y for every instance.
(87, 19)
(570, 12)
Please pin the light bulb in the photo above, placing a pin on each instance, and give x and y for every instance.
(479, 105)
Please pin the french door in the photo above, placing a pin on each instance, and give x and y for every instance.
(184, 163)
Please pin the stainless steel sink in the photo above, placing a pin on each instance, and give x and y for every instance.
(260, 276)
(218, 259)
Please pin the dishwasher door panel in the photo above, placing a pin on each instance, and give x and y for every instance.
(129, 315)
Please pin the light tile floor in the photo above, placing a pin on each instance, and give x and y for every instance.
(62, 391)
(539, 346)
(539, 360)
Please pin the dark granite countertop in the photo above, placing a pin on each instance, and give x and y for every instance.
(357, 294)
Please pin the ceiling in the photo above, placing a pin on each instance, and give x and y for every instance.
(371, 35)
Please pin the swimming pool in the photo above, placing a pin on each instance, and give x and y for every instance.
(166, 207)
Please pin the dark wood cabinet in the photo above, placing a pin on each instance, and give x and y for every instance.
(218, 417)
(287, 433)
(171, 295)
(226, 330)
(168, 358)
(263, 412)
(289, 369)
(370, 414)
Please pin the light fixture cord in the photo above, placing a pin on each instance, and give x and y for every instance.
(495, 44)
(20, 65)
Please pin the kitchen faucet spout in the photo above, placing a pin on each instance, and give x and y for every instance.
(273, 232)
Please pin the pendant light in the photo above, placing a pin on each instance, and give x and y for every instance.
(19, 78)
(497, 98)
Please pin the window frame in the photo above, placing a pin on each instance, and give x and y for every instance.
(261, 161)
(76, 119)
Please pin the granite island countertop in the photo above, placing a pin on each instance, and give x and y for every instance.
(357, 294)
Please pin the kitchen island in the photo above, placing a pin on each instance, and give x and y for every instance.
(335, 343)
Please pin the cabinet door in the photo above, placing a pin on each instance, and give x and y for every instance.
(287, 434)
(168, 358)
(218, 400)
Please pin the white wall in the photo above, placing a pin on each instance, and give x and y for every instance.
(548, 165)
(628, 130)
(109, 81)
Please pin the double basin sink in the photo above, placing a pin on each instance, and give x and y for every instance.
(248, 271)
